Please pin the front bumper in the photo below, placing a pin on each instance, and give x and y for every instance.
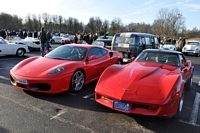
(49, 85)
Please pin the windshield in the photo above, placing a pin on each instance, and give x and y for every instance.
(125, 40)
(159, 57)
(98, 43)
(192, 43)
(68, 53)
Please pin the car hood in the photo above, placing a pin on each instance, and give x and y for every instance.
(40, 67)
(142, 82)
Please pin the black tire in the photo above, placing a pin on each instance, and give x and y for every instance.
(119, 61)
(189, 83)
(197, 54)
(52, 42)
(180, 106)
(20, 52)
(77, 81)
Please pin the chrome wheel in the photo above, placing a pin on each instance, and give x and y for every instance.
(20, 52)
(77, 81)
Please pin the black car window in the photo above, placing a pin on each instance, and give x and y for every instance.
(95, 51)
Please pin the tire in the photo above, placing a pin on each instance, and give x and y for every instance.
(197, 54)
(77, 81)
(20, 52)
(52, 42)
(180, 106)
(119, 61)
(189, 83)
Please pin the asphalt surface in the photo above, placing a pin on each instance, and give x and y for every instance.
(28, 112)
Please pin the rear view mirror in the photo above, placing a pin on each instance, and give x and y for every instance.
(186, 64)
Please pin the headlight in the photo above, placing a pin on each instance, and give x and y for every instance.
(184, 48)
(197, 49)
(57, 70)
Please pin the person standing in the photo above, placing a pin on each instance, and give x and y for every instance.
(43, 39)
(48, 40)
(35, 34)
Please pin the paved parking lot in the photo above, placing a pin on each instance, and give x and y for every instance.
(28, 112)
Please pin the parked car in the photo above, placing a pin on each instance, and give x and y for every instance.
(31, 42)
(56, 39)
(192, 47)
(66, 68)
(67, 40)
(12, 48)
(153, 84)
(168, 46)
(132, 43)
(106, 43)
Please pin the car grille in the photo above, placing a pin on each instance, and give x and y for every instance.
(37, 42)
(40, 86)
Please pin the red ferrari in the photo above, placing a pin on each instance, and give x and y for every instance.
(153, 84)
(65, 68)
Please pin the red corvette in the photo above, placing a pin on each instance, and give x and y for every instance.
(65, 68)
(153, 84)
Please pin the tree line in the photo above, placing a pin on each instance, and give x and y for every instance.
(168, 23)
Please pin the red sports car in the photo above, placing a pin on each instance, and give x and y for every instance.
(68, 67)
(153, 84)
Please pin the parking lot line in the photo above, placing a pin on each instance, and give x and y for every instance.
(89, 95)
(195, 110)
(2, 77)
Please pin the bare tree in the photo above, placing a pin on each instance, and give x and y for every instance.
(91, 24)
(98, 22)
(45, 17)
(116, 25)
(60, 19)
(169, 22)
(105, 26)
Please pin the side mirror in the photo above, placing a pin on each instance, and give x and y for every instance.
(186, 64)
(132, 58)
(93, 57)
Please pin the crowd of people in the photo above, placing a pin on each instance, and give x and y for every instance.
(87, 37)
(6, 34)
(180, 43)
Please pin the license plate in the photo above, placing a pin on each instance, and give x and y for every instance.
(125, 60)
(22, 81)
(122, 106)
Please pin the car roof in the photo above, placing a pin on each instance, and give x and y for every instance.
(162, 50)
(136, 33)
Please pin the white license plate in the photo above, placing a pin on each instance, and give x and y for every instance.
(122, 106)
(22, 81)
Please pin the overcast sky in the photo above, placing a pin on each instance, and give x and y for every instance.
(127, 10)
